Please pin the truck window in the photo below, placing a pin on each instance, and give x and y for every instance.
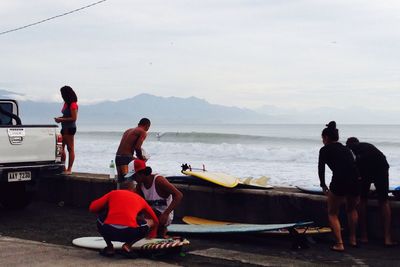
(5, 119)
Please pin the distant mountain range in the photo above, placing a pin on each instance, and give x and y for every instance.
(193, 110)
(157, 109)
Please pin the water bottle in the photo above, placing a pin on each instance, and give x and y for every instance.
(112, 170)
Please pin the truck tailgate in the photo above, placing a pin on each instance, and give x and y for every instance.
(37, 143)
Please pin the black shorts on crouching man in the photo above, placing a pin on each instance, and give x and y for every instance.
(112, 232)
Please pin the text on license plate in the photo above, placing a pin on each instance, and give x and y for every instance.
(19, 176)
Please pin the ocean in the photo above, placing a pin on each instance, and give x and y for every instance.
(288, 154)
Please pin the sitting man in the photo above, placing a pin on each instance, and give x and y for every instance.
(120, 223)
(161, 195)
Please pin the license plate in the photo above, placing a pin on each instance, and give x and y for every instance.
(19, 176)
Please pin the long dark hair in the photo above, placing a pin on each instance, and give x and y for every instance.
(331, 131)
(68, 95)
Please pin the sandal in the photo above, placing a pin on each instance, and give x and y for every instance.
(125, 251)
(334, 248)
(106, 252)
(391, 245)
(354, 245)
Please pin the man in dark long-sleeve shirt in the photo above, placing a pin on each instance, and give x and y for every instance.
(373, 168)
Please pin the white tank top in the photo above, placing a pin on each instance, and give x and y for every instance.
(155, 201)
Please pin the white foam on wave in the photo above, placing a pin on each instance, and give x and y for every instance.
(286, 164)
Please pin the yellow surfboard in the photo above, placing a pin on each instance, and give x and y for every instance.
(218, 178)
(260, 182)
(300, 230)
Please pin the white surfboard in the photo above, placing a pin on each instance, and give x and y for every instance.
(97, 242)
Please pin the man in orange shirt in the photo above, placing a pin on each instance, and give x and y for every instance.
(120, 223)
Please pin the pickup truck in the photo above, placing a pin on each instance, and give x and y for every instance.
(26, 153)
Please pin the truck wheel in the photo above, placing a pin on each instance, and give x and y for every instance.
(14, 196)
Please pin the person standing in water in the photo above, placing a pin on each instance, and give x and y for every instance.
(374, 168)
(68, 125)
(131, 143)
(344, 186)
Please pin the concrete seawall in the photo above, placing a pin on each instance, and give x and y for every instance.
(278, 205)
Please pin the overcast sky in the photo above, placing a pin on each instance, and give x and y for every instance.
(249, 53)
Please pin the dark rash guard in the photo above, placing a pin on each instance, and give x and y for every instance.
(344, 171)
(369, 159)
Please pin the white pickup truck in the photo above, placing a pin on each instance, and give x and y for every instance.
(26, 153)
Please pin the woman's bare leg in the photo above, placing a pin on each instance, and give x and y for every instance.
(334, 203)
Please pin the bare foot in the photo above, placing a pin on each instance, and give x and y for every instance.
(338, 247)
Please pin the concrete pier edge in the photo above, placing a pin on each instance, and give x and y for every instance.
(278, 205)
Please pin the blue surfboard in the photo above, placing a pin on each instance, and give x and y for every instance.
(230, 228)
(395, 190)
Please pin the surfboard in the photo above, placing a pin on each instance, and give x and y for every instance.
(189, 180)
(248, 183)
(258, 183)
(229, 228)
(218, 178)
(153, 244)
(301, 230)
(318, 190)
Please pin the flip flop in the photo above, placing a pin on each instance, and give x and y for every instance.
(336, 249)
(127, 253)
(391, 245)
(106, 253)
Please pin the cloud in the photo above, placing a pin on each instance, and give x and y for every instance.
(233, 52)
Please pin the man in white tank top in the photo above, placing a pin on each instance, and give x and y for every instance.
(159, 193)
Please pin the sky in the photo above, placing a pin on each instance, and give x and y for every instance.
(244, 53)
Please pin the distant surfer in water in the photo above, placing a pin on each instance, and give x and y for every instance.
(344, 186)
(120, 223)
(374, 168)
(161, 195)
(131, 143)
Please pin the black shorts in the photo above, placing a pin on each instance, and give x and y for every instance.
(381, 182)
(345, 187)
(123, 160)
(68, 131)
(120, 233)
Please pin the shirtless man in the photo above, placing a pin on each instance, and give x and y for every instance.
(131, 143)
(159, 193)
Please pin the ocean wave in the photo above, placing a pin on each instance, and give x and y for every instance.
(287, 162)
(208, 138)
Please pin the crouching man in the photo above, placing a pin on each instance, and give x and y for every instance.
(120, 224)
(159, 193)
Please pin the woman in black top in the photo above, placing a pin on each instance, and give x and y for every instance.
(344, 186)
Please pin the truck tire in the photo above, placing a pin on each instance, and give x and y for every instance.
(14, 195)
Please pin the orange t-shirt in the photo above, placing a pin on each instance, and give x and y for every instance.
(123, 208)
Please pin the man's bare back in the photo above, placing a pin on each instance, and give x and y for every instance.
(131, 141)
(130, 145)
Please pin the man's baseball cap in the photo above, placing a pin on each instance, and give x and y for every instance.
(139, 165)
(134, 167)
